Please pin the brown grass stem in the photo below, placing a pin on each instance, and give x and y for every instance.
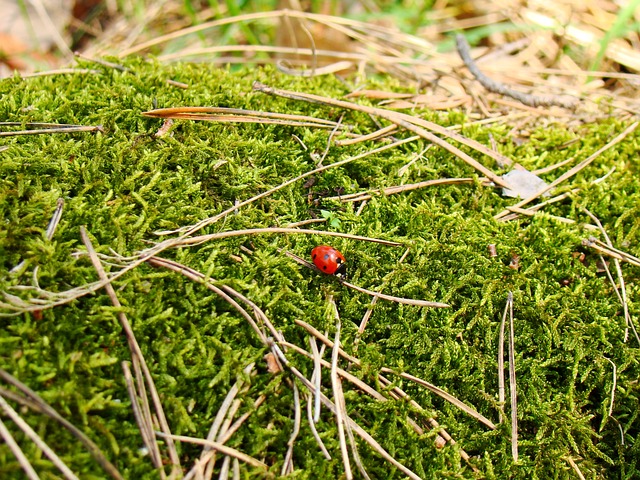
(35, 438)
(338, 397)
(232, 452)
(5, 434)
(267, 230)
(287, 466)
(512, 383)
(413, 124)
(136, 352)
(36, 403)
(143, 419)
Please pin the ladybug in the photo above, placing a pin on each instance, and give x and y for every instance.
(329, 260)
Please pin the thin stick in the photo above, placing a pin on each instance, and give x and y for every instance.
(611, 251)
(391, 298)
(60, 71)
(38, 404)
(341, 372)
(61, 298)
(341, 406)
(382, 132)
(224, 114)
(35, 438)
(438, 391)
(55, 219)
(236, 469)
(224, 438)
(136, 352)
(512, 383)
(496, 87)
(216, 426)
(17, 452)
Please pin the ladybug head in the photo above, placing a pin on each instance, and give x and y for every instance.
(341, 271)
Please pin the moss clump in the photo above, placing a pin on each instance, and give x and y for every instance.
(125, 184)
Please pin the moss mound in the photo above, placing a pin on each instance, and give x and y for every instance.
(125, 183)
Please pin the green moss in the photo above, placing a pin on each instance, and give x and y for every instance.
(125, 184)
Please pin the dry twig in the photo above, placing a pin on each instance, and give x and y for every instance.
(497, 87)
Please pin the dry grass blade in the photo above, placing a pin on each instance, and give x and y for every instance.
(35, 438)
(512, 383)
(374, 300)
(35, 402)
(471, 411)
(223, 114)
(446, 396)
(442, 436)
(16, 305)
(17, 452)
(312, 426)
(59, 129)
(598, 245)
(611, 251)
(575, 169)
(575, 467)
(613, 386)
(338, 398)
(61, 71)
(143, 419)
(224, 408)
(391, 298)
(287, 466)
(413, 124)
(316, 378)
(55, 219)
(383, 132)
(255, 231)
(501, 389)
(231, 452)
(136, 352)
(360, 196)
(226, 435)
(224, 469)
(341, 372)
(356, 428)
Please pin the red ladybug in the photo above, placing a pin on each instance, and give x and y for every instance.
(329, 260)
